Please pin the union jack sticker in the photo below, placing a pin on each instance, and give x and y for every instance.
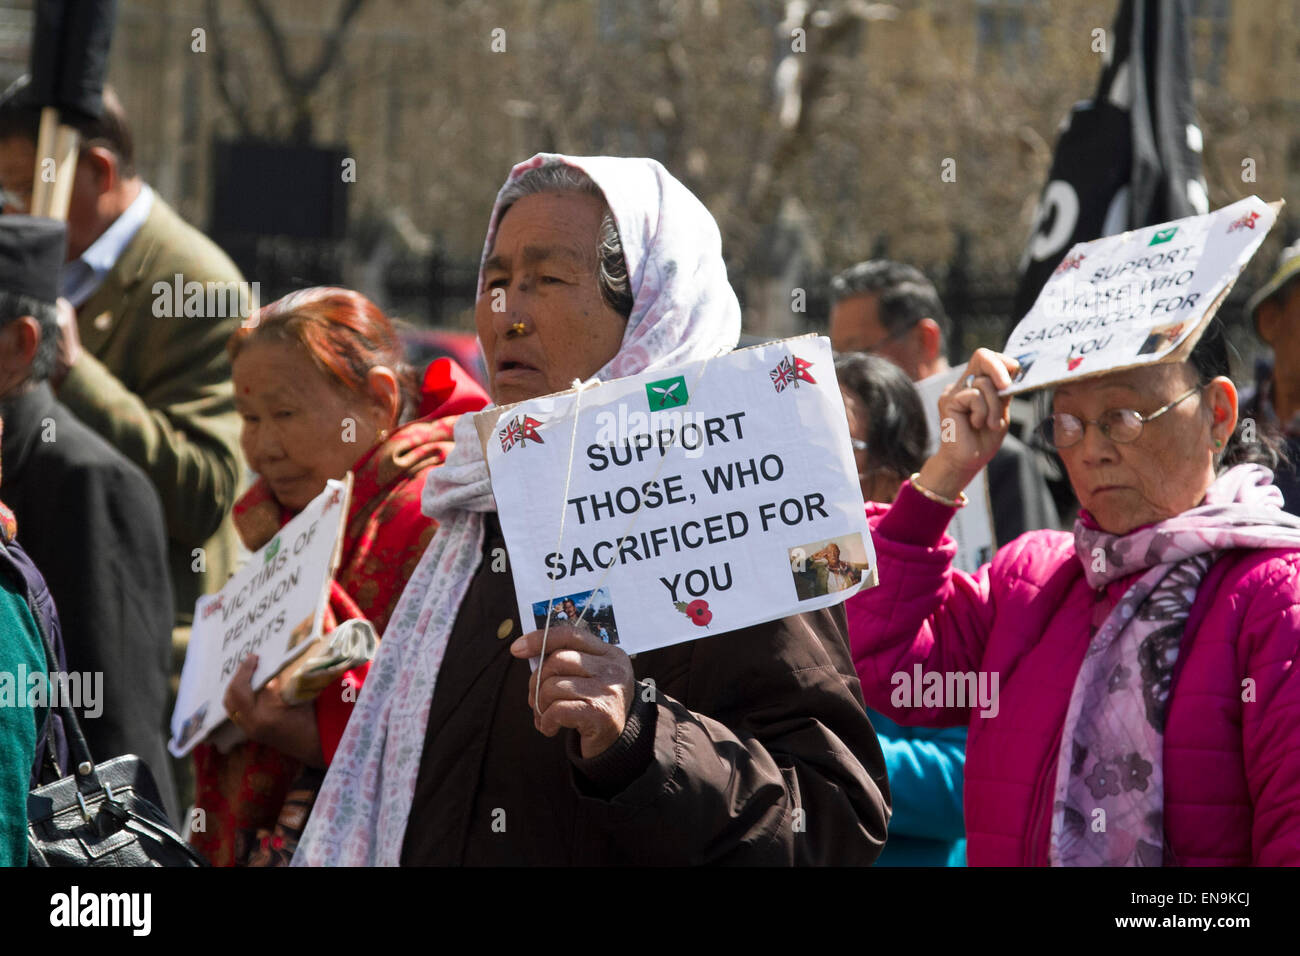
(520, 431)
(1068, 263)
(1246, 221)
(790, 371)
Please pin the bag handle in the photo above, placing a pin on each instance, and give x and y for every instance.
(83, 765)
(150, 830)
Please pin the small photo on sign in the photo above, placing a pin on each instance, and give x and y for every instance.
(1161, 337)
(192, 725)
(824, 567)
(299, 633)
(589, 610)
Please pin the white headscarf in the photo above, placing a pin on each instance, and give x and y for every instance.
(683, 309)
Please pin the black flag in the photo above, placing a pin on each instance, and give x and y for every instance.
(70, 54)
(1131, 156)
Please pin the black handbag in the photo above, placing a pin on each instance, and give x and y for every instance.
(103, 814)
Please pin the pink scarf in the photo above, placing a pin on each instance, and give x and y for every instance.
(1109, 800)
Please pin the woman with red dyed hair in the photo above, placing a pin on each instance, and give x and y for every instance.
(322, 389)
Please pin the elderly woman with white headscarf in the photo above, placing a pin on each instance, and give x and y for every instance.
(747, 747)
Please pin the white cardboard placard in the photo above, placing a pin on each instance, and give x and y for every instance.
(1135, 298)
(273, 606)
(698, 500)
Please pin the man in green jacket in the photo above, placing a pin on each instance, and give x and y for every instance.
(144, 362)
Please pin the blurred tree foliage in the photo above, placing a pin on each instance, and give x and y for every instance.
(817, 131)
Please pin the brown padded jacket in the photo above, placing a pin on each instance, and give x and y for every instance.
(745, 748)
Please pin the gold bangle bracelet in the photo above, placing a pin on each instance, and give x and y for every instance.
(961, 501)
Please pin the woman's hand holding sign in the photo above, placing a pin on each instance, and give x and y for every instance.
(585, 685)
(265, 717)
(973, 421)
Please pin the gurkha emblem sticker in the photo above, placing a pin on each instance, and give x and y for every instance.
(669, 393)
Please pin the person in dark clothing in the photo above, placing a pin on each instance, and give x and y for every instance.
(90, 520)
(1274, 401)
(892, 310)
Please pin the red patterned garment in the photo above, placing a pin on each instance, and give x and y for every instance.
(242, 792)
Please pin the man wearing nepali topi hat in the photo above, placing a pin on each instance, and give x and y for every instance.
(89, 518)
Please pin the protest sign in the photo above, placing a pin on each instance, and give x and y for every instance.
(972, 526)
(273, 606)
(686, 502)
(1135, 298)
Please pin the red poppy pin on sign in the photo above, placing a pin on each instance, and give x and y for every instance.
(697, 610)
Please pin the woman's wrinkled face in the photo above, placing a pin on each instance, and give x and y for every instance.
(299, 428)
(542, 273)
(1168, 469)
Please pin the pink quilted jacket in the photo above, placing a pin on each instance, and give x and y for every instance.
(1232, 766)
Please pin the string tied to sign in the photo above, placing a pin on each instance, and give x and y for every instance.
(579, 386)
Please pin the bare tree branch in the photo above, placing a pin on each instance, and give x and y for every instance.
(671, 106)
(333, 43)
(301, 86)
(234, 99)
(275, 38)
(798, 79)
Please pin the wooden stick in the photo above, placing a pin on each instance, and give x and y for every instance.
(65, 159)
(55, 142)
(42, 188)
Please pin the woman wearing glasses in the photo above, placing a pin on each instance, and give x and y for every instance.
(1145, 666)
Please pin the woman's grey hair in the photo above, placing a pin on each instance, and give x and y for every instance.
(14, 306)
(1260, 443)
(611, 271)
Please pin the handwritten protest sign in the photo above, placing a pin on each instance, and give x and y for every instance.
(677, 504)
(274, 606)
(972, 526)
(1135, 298)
